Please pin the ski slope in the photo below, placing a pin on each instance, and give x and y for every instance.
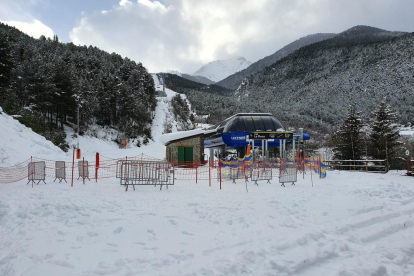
(347, 224)
(18, 143)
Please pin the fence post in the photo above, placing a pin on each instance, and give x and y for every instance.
(73, 164)
(320, 167)
(31, 161)
(298, 159)
(83, 170)
(311, 178)
(209, 171)
(366, 165)
(196, 164)
(303, 163)
(96, 166)
(125, 173)
(220, 170)
(408, 165)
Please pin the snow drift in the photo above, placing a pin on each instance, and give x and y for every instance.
(19, 142)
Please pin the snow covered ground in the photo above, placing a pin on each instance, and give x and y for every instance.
(18, 142)
(347, 224)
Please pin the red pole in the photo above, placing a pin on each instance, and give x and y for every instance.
(83, 170)
(73, 164)
(303, 163)
(220, 171)
(126, 171)
(96, 167)
(320, 168)
(209, 172)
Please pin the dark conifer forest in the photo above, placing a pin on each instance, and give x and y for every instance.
(44, 82)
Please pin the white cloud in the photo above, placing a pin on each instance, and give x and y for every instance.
(184, 34)
(34, 28)
(17, 10)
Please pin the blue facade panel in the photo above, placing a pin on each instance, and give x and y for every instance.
(238, 140)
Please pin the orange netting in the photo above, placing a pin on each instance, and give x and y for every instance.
(111, 168)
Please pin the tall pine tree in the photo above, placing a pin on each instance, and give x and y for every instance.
(348, 140)
(385, 133)
(5, 59)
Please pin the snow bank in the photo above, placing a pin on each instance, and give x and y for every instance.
(347, 224)
(19, 142)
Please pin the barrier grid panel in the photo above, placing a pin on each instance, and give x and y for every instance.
(36, 172)
(288, 172)
(133, 172)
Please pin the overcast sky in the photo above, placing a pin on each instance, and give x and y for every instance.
(185, 34)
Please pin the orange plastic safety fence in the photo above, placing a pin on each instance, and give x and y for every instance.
(110, 168)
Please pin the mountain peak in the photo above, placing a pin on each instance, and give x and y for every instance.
(363, 29)
(367, 31)
(238, 58)
(221, 69)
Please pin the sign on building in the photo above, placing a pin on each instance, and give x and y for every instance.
(278, 135)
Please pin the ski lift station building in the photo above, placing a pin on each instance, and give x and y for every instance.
(260, 130)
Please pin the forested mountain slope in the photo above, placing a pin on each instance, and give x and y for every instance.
(45, 80)
(213, 100)
(181, 84)
(314, 86)
(199, 79)
(233, 81)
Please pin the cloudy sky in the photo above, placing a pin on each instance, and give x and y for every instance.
(185, 34)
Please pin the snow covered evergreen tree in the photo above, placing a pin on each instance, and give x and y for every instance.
(5, 60)
(45, 81)
(348, 140)
(385, 133)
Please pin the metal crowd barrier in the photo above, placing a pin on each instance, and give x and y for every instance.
(83, 170)
(36, 172)
(261, 173)
(288, 173)
(60, 171)
(155, 173)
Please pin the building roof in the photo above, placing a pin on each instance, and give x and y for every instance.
(249, 122)
(253, 122)
(170, 137)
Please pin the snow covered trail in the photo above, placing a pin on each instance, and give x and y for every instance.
(91, 145)
(347, 224)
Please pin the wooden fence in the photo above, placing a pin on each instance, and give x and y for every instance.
(376, 166)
